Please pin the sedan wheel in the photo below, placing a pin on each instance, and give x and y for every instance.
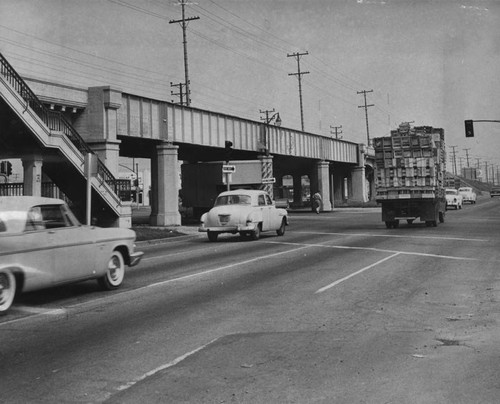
(281, 230)
(7, 290)
(256, 233)
(115, 273)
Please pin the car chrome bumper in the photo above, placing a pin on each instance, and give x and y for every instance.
(135, 258)
(227, 229)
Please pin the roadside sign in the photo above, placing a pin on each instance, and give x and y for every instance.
(271, 180)
(228, 169)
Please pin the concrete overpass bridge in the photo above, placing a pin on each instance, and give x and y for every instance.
(51, 127)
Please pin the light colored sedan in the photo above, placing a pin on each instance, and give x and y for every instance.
(42, 244)
(453, 198)
(468, 194)
(247, 212)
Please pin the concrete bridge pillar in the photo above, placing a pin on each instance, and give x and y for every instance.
(32, 167)
(267, 173)
(359, 190)
(165, 187)
(297, 190)
(323, 180)
(102, 125)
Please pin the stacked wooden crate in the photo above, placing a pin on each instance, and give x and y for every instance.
(410, 163)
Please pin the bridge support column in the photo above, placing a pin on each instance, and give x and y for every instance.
(108, 152)
(358, 178)
(267, 173)
(297, 190)
(323, 178)
(165, 187)
(32, 167)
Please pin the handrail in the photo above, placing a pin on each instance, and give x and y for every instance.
(55, 120)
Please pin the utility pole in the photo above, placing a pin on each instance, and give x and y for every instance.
(454, 159)
(183, 22)
(486, 165)
(299, 74)
(181, 92)
(337, 132)
(467, 154)
(364, 92)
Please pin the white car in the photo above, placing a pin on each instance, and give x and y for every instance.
(453, 198)
(468, 194)
(247, 212)
(42, 244)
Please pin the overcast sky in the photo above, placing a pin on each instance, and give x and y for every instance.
(435, 62)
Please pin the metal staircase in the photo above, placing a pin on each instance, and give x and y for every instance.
(53, 132)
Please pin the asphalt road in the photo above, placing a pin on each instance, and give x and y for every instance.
(339, 310)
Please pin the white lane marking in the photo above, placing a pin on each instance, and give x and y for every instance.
(125, 292)
(392, 235)
(176, 253)
(331, 285)
(209, 271)
(343, 247)
(165, 366)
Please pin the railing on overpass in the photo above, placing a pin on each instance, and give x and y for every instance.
(153, 119)
(56, 121)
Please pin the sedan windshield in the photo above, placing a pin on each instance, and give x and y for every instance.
(233, 200)
(451, 192)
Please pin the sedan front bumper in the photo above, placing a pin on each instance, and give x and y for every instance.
(228, 229)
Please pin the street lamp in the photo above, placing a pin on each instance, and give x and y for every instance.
(267, 120)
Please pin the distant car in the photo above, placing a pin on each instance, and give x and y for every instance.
(494, 191)
(453, 198)
(468, 194)
(42, 244)
(247, 212)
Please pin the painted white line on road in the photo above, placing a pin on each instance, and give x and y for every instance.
(125, 292)
(331, 285)
(190, 251)
(165, 366)
(343, 247)
(392, 235)
(209, 271)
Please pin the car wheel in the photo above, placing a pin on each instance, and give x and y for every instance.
(256, 233)
(409, 221)
(388, 224)
(441, 217)
(115, 272)
(7, 289)
(281, 230)
(212, 236)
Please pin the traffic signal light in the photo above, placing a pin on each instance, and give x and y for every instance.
(6, 168)
(469, 128)
(228, 149)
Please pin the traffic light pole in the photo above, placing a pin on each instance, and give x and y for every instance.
(469, 125)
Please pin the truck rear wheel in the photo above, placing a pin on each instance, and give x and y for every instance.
(441, 217)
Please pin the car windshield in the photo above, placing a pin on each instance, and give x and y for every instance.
(233, 200)
(465, 190)
(451, 192)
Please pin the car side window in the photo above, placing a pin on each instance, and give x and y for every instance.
(34, 220)
(268, 200)
(261, 200)
(53, 217)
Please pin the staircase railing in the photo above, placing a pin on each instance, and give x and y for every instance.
(55, 120)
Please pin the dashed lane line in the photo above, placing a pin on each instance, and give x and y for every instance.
(331, 285)
(393, 236)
